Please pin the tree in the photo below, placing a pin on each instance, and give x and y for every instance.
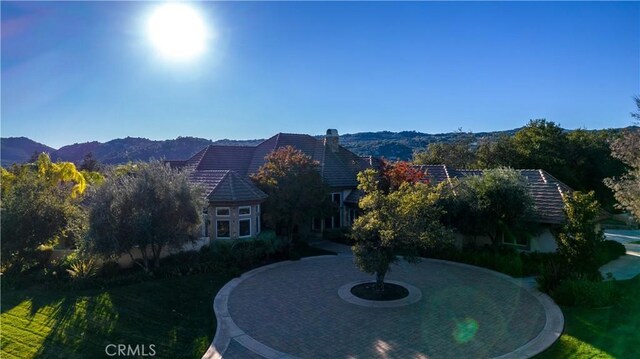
(394, 174)
(90, 163)
(295, 188)
(542, 144)
(457, 154)
(578, 240)
(495, 204)
(404, 220)
(626, 188)
(589, 158)
(151, 208)
(496, 153)
(40, 205)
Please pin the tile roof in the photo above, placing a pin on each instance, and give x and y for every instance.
(226, 186)
(546, 191)
(338, 166)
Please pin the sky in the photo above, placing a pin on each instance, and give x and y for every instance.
(83, 71)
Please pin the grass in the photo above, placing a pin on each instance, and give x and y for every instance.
(602, 333)
(175, 314)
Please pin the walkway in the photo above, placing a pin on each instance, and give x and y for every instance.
(292, 309)
(627, 266)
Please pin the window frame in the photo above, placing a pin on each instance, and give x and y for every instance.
(244, 220)
(244, 207)
(228, 228)
(223, 215)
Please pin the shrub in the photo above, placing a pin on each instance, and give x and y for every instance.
(338, 235)
(585, 293)
(551, 276)
(83, 268)
(109, 269)
(609, 250)
(43, 254)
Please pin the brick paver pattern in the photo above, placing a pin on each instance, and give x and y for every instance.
(295, 309)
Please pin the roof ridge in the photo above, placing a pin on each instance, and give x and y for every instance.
(544, 178)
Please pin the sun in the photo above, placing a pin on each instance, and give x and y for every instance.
(177, 31)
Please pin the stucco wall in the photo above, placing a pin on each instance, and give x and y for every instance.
(544, 242)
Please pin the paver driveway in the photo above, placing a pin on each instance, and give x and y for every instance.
(294, 308)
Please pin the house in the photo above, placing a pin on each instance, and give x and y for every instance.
(546, 191)
(233, 209)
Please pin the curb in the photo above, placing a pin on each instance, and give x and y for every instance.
(227, 330)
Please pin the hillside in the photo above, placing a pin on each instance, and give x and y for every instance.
(401, 145)
(390, 145)
(20, 149)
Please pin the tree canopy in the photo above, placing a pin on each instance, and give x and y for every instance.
(626, 187)
(494, 204)
(578, 240)
(295, 188)
(41, 205)
(150, 208)
(406, 220)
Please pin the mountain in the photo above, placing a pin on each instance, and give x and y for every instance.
(76, 152)
(402, 145)
(390, 145)
(19, 150)
(122, 150)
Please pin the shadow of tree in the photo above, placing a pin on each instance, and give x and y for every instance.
(174, 314)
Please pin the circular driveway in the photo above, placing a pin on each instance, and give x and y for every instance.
(292, 309)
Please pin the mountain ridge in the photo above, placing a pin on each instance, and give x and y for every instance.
(387, 144)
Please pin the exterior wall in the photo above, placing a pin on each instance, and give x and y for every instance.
(544, 242)
(234, 219)
(343, 213)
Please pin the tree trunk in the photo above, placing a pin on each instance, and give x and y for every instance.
(380, 281)
(156, 256)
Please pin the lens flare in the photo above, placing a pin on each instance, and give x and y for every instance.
(465, 330)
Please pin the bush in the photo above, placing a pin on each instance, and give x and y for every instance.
(585, 293)
(43, 254)
(553, 273)
(338, 235)
(109, 269)
(505, 260)
(83, 268)
(609, 250)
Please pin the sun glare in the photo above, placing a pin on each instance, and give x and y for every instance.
(177, 31)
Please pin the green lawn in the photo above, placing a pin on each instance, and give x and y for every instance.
(175, 314)
(602, 333)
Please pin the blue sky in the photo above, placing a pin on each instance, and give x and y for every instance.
(81, 71)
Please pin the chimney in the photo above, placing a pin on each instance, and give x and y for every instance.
(331, 140)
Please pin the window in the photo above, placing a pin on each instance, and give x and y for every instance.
(244, 227)
(518, 240)
(244, 211)
(336, 198)
(222, 211)
(222, 229)
(352, 215)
